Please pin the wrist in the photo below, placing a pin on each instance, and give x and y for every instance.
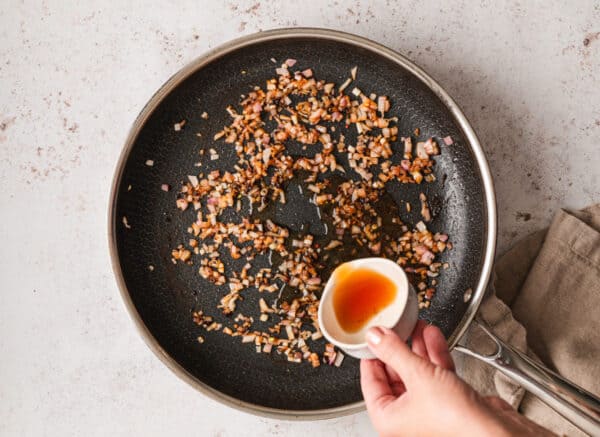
(486, 423)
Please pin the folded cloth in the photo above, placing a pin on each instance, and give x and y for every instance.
(544, 300)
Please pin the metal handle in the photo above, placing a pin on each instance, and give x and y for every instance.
(575, 404)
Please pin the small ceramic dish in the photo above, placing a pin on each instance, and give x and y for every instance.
(399, 315)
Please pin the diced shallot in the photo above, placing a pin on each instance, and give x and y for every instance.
(421, 153)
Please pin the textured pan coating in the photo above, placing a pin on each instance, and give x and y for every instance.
(165, 297)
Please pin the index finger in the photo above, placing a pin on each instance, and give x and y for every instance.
(418, 344)
(437, 347)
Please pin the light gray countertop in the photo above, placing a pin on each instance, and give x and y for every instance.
(73, 76)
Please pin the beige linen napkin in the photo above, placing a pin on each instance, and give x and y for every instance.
(545, 300)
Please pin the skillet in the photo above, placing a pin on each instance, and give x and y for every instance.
(162, 297)
(162, 300)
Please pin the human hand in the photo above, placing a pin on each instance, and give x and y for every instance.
(414, 393)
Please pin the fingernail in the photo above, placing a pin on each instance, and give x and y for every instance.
(374, 336)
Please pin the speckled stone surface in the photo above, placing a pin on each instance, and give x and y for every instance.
(75, 76)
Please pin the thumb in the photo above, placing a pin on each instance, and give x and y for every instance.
(389, 348)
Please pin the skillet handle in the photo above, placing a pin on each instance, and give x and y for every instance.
(575, 404)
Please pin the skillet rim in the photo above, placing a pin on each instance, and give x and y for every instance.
(239, 43)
